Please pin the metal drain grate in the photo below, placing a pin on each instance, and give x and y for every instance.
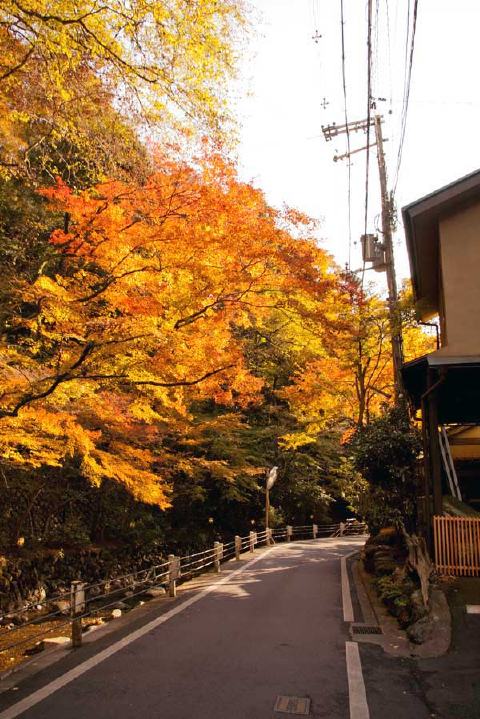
(366, 629)
(292, 705)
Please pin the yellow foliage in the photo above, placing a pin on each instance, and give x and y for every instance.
(158, 282)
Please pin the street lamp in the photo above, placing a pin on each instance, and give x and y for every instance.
(270, 481)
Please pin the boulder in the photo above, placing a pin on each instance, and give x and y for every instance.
(121, 605)
(384, 565)
(155, 592)
(62, 606)
(419, 610)
(20, 619)
(55, 642)
(36, 649)
(420, 631)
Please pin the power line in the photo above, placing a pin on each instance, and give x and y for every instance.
(389, 49)
(406, 92)
(369, 95)
(345, 106)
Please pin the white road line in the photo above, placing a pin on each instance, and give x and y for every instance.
(22, 706)
(356, 685)
(346, 595)
(473, 608)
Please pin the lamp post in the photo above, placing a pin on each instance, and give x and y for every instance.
(270, 481)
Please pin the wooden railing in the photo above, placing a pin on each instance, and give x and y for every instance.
(88, 600)
(457, 545)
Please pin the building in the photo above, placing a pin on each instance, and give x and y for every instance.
(443, 241)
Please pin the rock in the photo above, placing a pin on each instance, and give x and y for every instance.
(39, 595)
(121, 605)
(403, 617)
(20, 619)
(55, 642)
(92, 627)
(420, 631)
(116, 613)
(155, 592)
(387, 535)
(96, 622)
(419, 609)
(384, 565)
(36, 649)
(62, 606)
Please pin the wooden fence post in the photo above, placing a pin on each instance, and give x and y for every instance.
(252, 541)
(315, 530)
(173, 574)
(217, 556)
(342, 529)
(238, 547)
(289, 533)
(77, 608)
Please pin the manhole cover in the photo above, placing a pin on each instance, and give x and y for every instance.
(292, 705)
(366, 629)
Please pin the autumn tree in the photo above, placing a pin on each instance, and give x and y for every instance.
(81, 87)
(167, 58)
(139, 313)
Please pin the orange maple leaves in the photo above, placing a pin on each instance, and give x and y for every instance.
(139, 312)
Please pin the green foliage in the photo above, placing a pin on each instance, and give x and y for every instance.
(395, 590)
(385, 453)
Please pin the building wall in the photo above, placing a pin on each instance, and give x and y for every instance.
(460, 267)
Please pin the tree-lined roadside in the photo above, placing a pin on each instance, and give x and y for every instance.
(166, 334)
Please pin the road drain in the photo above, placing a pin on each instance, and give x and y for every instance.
(292, 705)
(365, 629)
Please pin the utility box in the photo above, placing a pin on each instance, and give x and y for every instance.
(372, 250)
(380, 264)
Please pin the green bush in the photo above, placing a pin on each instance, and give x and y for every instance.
(385, 453)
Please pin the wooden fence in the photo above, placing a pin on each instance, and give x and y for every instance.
(457, 545)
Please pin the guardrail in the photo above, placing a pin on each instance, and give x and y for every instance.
(88, 600)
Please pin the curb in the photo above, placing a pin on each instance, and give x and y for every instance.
(393, 639)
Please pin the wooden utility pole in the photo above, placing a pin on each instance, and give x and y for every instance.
(387, 218)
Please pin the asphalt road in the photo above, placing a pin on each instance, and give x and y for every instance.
(274, 628)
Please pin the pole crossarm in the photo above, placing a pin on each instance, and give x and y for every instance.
(331, 131)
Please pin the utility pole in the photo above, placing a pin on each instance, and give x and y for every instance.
(387, 217)
(330, 132)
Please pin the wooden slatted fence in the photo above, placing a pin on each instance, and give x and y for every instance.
(457, 545)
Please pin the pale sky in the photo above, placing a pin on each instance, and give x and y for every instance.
(282, 148)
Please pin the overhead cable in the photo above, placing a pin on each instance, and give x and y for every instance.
(349, 165)
(406, 94)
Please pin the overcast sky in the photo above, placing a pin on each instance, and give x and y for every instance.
(288, 74)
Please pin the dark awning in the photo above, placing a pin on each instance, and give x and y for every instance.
(459, 392)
